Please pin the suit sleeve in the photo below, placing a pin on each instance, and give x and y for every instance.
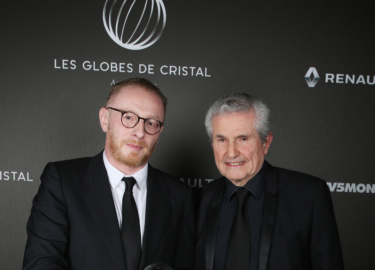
(48, 226)
(325, 243)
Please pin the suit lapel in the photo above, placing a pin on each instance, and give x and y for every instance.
(158, 210)
(99, 200)
(212, 222)
(269, 216)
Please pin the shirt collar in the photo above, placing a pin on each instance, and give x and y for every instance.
(256, 185)
(115, 176)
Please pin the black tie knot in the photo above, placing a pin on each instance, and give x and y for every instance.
(129, 182)
(242, 194)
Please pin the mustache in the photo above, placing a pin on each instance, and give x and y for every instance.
(139, 143)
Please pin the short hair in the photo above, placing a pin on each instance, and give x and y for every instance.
(141, 82)
(241, 102)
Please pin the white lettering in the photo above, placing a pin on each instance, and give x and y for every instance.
(149, 69)
(21, 177)
(162, 70)
(330, 77)
(361, 188)
(105, 67)
(340, 78)
(208, 180)
(15, 176)
(351, 187)
(361, 80)
(196, 182)
(370, 188)
(340, 187)
(349, 79)
(94, 68)
(65, 64)
(184, 71)
(199, 72)
(86, 65)
(371, 82)
(332, 186)
(172, 70)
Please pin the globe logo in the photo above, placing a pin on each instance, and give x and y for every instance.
(134, 25)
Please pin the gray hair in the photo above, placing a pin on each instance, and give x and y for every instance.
(241, 102)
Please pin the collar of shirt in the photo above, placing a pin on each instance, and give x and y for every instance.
(118, 188)
(256, 185)
(115, 176)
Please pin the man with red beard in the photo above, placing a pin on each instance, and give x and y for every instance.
(114, 210)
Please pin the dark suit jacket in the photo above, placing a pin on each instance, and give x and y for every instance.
(73, 222)
(299, 229)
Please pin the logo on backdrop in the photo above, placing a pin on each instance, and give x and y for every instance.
(339, 187)
(15, 176)
(134, 25)
(312, 77)
(351, 187)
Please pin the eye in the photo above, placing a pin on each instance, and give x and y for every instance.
(243, 139)
(152, 123)
(129, 117)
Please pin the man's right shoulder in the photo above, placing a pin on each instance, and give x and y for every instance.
(72, 167)
(75, 162)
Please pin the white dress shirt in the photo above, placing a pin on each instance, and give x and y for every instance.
(118, 190)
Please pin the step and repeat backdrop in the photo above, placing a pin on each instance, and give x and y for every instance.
(312, 62)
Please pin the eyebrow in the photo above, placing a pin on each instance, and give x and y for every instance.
(154, 117)
(237, 137)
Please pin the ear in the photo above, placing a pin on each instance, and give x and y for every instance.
(267, 143)
(103, 118)
(161, 129)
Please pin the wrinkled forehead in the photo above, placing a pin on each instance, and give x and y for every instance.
(243, 116)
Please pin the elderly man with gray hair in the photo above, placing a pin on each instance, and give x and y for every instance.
(258, 216)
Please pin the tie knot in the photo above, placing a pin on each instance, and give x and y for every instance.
(129, 182)
(242, 194)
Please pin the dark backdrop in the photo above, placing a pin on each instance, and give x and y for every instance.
(58, 62)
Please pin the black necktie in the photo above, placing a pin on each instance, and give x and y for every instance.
(130, 229)
(238, 257)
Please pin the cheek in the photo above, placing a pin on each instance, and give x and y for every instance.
(216, 151)
(219, 157)
(151, 141)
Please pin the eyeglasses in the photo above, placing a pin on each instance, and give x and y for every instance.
(130, 120)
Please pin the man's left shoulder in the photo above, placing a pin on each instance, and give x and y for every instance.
(299, 188)
(297, 179)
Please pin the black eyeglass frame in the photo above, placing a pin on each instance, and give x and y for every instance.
(161, 124)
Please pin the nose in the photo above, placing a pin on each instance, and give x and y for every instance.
(232, 149)
(139, 129)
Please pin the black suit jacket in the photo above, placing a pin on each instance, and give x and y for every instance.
(298, 231)
(73, 222)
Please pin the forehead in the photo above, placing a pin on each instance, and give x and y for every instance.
(233, 123)
(131, 92)
(138, 100)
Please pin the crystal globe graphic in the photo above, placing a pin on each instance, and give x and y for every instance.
(136, 24)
